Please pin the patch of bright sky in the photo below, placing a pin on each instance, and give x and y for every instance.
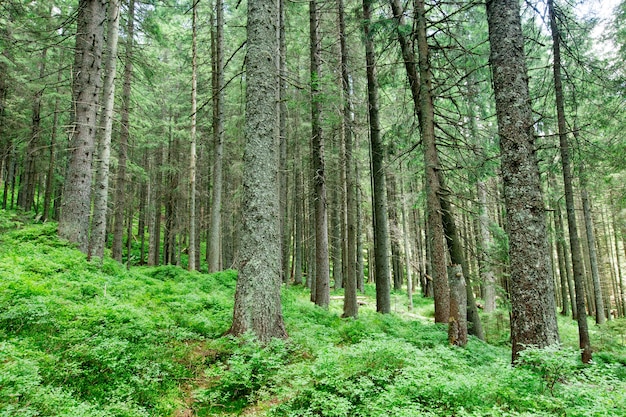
(604, 11)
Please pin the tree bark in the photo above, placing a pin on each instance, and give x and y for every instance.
(457, 327)
(191, 260)
(350, 305)
(583, 332)
(593, 257)
(257, 297)
(533, 315)
(120, 184)
(379, 188)
(215, 235)
(103, 159)
(322, 269)
(76, 203)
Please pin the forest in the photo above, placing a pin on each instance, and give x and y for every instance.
(312, 208)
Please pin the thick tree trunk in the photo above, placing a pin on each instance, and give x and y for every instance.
(285, 230)
(120, 185)
(379, 188)
(76, 204)
(583, 332)
(215, 235)
(101, 187)
(322, 276)
(457, 327)
(257, 297)
(533, 315)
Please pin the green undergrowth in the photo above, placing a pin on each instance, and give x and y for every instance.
(81, 338)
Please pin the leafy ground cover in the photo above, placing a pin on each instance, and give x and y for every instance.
(82, 338)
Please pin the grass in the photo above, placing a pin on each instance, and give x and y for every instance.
(89, 339)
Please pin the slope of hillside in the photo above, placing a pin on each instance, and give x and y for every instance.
(80, 338)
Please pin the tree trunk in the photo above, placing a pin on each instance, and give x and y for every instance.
(486, 274)
(101, 187)
(421, 91)
(285, 231)
(350, 305)
(75, 210)
(28, 182)
(120, 185)
(457, 327)
(379, 191)
(215, 235)
(322, 269)
(533, 315)
(257, 297)
(191, 260)
(583, 332)
(593, 257)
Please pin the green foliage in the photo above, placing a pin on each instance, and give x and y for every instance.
(90, 339)
(553, 363)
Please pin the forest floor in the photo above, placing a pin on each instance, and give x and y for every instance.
(95, 339)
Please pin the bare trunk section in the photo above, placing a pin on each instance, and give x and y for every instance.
(191, 263)
(486, 274)
(257, 297)
(103, 158)
(533, 315)
(76, 203)
(593, 257)
(350, 305)
(322, 276)
(583, 331)
(457, 327)
(120, 184)
(215, 235)
(379, 191)
(285, 230)
(421, 91)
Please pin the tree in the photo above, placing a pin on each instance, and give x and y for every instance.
(121, 181)
(533, 315)
(322, 269)
(191, 263)
(379, 189)
(76, 203)
(257, 296)
(214, 252)
(577, 261)
(101, 188)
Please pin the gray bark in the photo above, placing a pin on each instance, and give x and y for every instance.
(322, 268)
(533, 315)
(257, 297)
(191, 263)
(457, 327)
(577, 265)
(101, 187)
(120, 183)
(214, 252)
(379, 191)
(350, 305)
(76, 200)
